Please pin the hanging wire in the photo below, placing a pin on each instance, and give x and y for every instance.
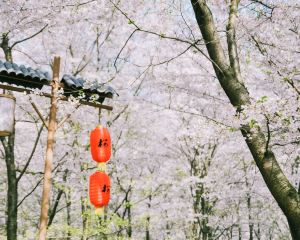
(99, 116)
(108, 120)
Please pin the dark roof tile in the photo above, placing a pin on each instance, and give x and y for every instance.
(12, 73)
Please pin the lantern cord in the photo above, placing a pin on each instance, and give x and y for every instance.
(99, 116)
(108, 122)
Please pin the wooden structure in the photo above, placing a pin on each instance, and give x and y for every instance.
(29, 78)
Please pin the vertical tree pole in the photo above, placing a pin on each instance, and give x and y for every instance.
(49, 151)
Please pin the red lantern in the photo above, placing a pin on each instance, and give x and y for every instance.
(100, 144)
(99, 189)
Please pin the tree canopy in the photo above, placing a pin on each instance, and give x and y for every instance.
(205, 131)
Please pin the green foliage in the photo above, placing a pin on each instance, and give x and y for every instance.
(252, 123)
(232, 129)
(263, 99)
(162, 35)
(287, 120)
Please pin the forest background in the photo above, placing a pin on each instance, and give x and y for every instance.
(181, 169)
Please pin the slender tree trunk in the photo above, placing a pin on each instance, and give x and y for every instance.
(68, 203)
(250, 217)
(84, 207)
(239, 221)
(53, 210)
(8, 144)
(240, 232)
(147, 237)
(12, 191)
(84, 218)
(248, 199)
(258, 231)
(129, 231)
(147, 228)
(229, 77)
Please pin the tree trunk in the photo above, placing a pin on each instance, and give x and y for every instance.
(147, 228)
(84, 208)
(129, 229)
(84, 218)
(12, 191)
(54, 208)
(229, 77)
(258, 231)
(147, 237)
(8, 144)
(68, 202)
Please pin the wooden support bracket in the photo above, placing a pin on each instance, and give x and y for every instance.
(38, 112)
(66, 118)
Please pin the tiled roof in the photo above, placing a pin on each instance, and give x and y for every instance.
(28, 77)
(23, 76)
(74, 86)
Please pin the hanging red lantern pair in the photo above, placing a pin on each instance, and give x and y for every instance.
(99, 187)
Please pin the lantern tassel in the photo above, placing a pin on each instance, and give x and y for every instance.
(99, 211)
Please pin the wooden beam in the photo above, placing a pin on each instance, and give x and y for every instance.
(63, 98)
(96, 105)
(23, 90)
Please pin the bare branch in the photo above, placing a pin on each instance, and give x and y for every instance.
(191, 113)
(287, 143)
(32, 153)
(118, 115)
(28, 194)
(163, 36)
(130, 36)
(264, 4)
(172, 58)
(268, 134)
(32, 36)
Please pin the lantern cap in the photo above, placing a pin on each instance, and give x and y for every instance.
(99, 211)
(99, 126)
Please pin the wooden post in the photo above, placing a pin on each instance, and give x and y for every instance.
(49, 151)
